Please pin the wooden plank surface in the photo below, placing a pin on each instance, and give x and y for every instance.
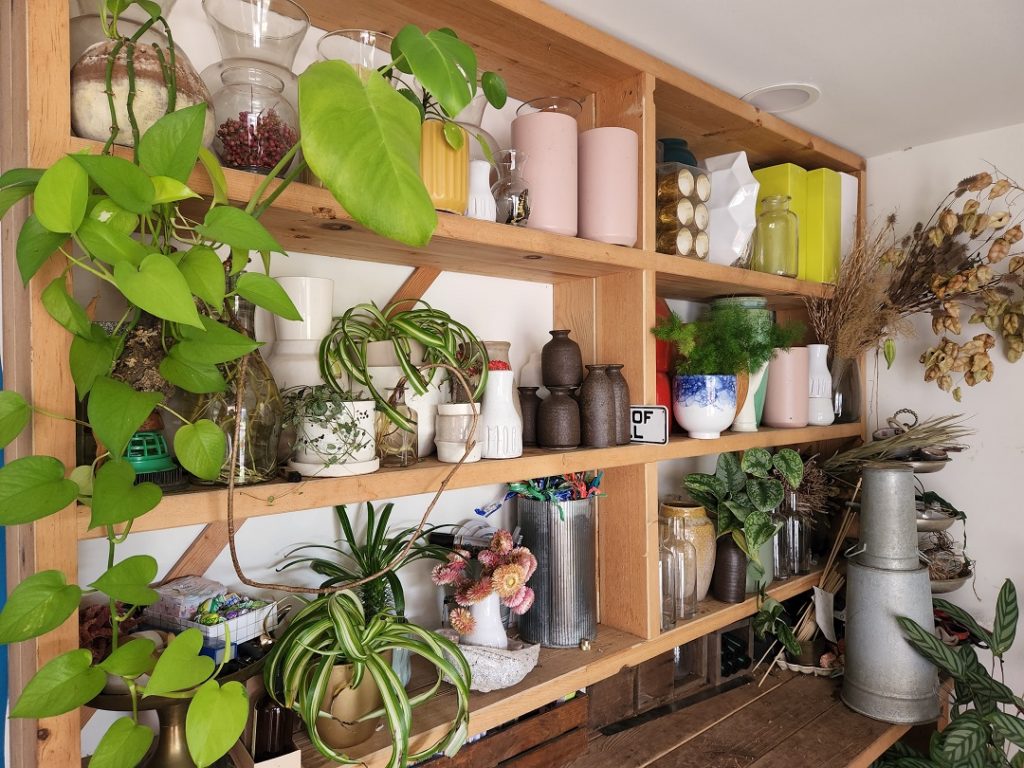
(558, 673)
(791, 721)
(203, 505)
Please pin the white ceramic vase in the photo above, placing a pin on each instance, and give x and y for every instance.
(704, 405)
(313, 297)
(732, 207)
(488, 630)
(501, 428)
(746, 417)
(608, 185)
(820, 412)
(294, 359)
(481, 202)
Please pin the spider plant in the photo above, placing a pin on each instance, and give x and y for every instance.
(333, 629)
(358, 558)
(446, 341)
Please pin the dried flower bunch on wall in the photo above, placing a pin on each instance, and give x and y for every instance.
(946, 266)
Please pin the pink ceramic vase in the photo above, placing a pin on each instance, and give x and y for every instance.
(608, 186)
(549, 138)
(786, 399)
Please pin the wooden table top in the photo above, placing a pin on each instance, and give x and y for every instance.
(792, 721)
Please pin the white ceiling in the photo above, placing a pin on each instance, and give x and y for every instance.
(893, 73)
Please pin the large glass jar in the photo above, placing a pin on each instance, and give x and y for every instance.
(775, 238)
(256, 126)
(667, 586)
(364, 49)
(511, 194)
(262, 409)
(265, 30)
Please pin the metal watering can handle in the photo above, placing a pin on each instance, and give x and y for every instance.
(857, 549)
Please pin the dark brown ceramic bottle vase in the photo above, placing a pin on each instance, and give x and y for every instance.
(729, 579)
(623, 431)
(561, 362)
(558, 420)
(529, 403)
(597, 408)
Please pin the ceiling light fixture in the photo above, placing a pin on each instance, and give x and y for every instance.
(783, 97)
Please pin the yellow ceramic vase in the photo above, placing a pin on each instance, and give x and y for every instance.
(445, 171)
(692, 523)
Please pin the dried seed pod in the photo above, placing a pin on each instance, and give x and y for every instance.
(968, 221)
(999, 219)
(1016, 264)
(1013, 234)
(936, 236)
(981, 224)
(946, 383)
(999, 189)
(1011, 323)
(957, 395)
(984, 274)
(979, 181)
(948, 221)
(998, 251)
(971, 206)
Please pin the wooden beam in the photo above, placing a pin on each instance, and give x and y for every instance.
(201, 553)
(416, 285)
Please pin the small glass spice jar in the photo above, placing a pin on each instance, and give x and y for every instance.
(256, 125)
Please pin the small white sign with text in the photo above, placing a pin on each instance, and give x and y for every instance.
(648, 424)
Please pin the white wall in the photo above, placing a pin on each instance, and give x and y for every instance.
(984, 480)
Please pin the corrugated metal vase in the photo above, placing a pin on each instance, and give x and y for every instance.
(565, 609)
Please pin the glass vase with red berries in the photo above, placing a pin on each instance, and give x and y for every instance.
(256, 124)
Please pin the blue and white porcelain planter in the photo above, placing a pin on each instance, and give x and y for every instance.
(704, 405)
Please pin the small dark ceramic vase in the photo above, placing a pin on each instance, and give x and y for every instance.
(729, 580)
(597, 408)
(621, 388)
(561, 362)
(529, 404)
(558, 420)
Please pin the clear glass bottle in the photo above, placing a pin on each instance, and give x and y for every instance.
(776, 245)
(511, 194)
(798, 537)
(685, 565)
(262, 408)
(256, 125)
(396, 447)
(668, 586)
(780, 543)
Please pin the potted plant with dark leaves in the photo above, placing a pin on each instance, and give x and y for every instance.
(714, 357)
(986, 726)
(332, 665)
(740, 496)
(129, 230)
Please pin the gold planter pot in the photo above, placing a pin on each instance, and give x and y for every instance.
(347, 705)
(445, 171)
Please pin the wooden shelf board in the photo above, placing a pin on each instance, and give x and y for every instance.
(201, 504)
(679, 277)
(559, 673)
(307, 218)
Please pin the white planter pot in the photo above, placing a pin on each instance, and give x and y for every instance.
(746, 417)
(314, 298)
(454, 421)
(381, 354)
(338, 445)
(820, 412)
(704, 405)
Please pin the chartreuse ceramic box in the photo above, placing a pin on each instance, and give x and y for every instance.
(791, 180)
(819, 261)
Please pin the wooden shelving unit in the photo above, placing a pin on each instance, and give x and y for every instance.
(605, 294)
